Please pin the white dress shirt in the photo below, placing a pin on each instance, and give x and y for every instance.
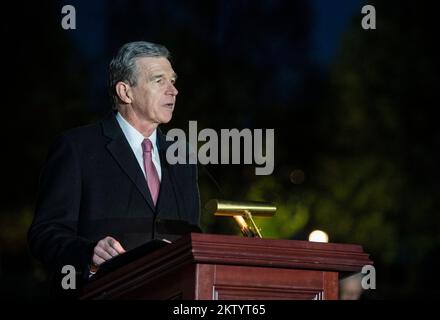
(135, 139)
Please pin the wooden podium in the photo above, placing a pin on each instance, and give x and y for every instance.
(219, 267)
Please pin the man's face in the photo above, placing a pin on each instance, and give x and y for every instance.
(154, 95)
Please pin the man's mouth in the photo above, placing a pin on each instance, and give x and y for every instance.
(169, 105)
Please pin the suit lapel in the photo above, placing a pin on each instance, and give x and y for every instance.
(123, 155)
(168, 177)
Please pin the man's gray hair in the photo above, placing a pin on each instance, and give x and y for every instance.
(123, 65)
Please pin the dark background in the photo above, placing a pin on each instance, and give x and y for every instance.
(356, 139)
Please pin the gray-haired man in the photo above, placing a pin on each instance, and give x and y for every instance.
(107, 187)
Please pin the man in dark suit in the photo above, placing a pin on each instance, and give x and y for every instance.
(107, 188)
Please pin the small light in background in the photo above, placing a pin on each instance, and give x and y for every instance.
(297, 176)
(318, 236)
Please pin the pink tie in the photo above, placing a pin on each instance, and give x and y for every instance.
(150, 171)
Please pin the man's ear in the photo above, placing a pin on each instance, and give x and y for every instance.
(124, 92)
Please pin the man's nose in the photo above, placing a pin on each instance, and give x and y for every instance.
(172, 89)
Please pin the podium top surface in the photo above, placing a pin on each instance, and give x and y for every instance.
(198, 248)
(225, 249)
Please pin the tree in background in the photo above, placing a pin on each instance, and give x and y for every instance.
(373, 174)
(375, 179)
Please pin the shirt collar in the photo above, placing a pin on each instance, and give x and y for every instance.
(133, 136)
